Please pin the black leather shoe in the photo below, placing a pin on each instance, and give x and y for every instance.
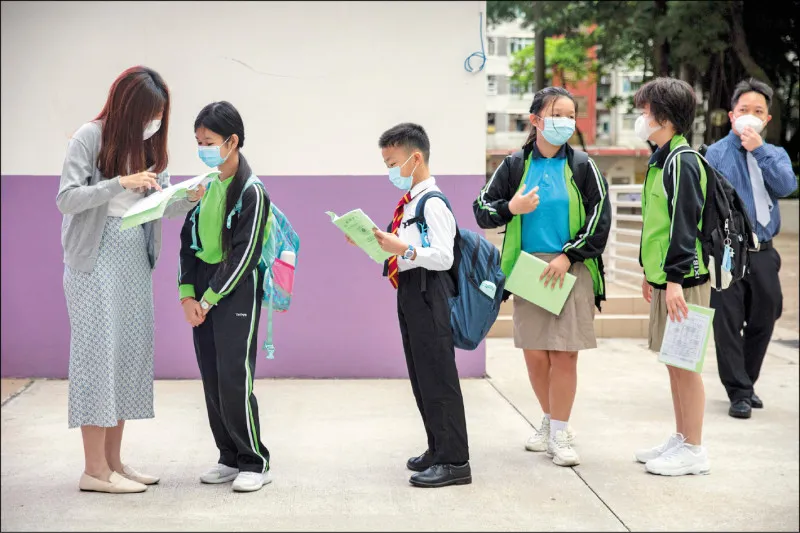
(756, 402)
(442, 476)
(421, 463)
(740, 409)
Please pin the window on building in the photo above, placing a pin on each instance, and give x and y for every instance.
(628, 121)
(490, 123)
(631, 84)
(491, 46)
(518, 123)
(515, 44)
(603, 91)
(517, 88)
(491, 85)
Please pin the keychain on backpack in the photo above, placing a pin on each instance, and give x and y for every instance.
(727, 257)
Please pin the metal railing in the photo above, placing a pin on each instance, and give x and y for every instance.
(621, 257)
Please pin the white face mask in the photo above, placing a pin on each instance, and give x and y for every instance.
(151, 129)
(643, 129)
(751, 121)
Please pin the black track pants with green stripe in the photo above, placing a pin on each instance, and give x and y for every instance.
(226, 345)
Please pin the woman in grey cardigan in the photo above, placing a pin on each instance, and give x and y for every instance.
(108, 273)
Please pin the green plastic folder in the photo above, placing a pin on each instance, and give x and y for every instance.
(524, 282)
(153, 206)
(358, 226)
(686, 342)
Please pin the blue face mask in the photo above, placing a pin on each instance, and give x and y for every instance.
(558, 130)
(210, 155)
(401, 182)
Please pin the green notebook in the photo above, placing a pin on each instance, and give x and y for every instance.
(358, 226)
(524, 283)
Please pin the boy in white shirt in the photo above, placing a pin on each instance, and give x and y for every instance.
(425, 278)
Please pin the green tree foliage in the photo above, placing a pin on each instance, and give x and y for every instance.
(713, 44)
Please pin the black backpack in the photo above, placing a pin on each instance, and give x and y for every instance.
(725, 221)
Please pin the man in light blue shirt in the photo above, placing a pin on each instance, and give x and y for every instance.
(746, 312)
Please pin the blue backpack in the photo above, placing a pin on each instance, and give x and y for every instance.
(279, 236)
(472, 312)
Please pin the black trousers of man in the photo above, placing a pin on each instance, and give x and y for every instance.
(226, 345)
(744, 318)
(424, 314)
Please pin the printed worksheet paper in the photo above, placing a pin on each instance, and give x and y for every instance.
(685, 343)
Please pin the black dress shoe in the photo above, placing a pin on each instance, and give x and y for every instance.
(443, 475)
(756, 402)
(421, 463)
(740, 409)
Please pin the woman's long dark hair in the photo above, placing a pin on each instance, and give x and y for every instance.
(543, 98)
(224, 120)
(135, 97)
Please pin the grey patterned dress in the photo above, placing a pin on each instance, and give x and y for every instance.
(111, 316)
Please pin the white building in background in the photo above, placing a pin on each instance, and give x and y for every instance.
(615, 123)
(507, 104)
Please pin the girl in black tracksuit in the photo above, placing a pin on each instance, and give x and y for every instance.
(221, 288)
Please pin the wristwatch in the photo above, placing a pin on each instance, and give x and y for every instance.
(408, 254)
(205, 305)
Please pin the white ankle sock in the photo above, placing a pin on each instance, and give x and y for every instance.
(557, 425)
(547, 416)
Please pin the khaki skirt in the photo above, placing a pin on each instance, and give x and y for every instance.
(571, 331)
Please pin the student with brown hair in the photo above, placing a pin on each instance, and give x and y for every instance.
(111, 163)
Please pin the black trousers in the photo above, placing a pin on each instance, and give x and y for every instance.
(226, 346)
(744, 319)
(424, 315)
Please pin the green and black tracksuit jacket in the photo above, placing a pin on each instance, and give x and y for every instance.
(589, 211)
(673, 200)
(226, 342)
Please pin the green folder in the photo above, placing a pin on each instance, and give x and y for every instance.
(524, 282)
(358, 226)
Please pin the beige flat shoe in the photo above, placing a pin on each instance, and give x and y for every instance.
(133, 475)
(115, 485)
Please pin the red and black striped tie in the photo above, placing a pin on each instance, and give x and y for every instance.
(398, 217)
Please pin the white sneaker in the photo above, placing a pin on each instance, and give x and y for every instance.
(570, 435)
(219, 474)
(651, 453)
(679, 461)
(538, 443)
(562, 451)
(251, 481)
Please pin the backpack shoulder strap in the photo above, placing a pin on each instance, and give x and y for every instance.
(517, 166)
(579, 160)
(238, 207)
(420, 213)
(680, 150)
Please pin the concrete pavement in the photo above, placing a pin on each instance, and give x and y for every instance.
(339, 448)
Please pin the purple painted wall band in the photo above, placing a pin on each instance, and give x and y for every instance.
(343, 320)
